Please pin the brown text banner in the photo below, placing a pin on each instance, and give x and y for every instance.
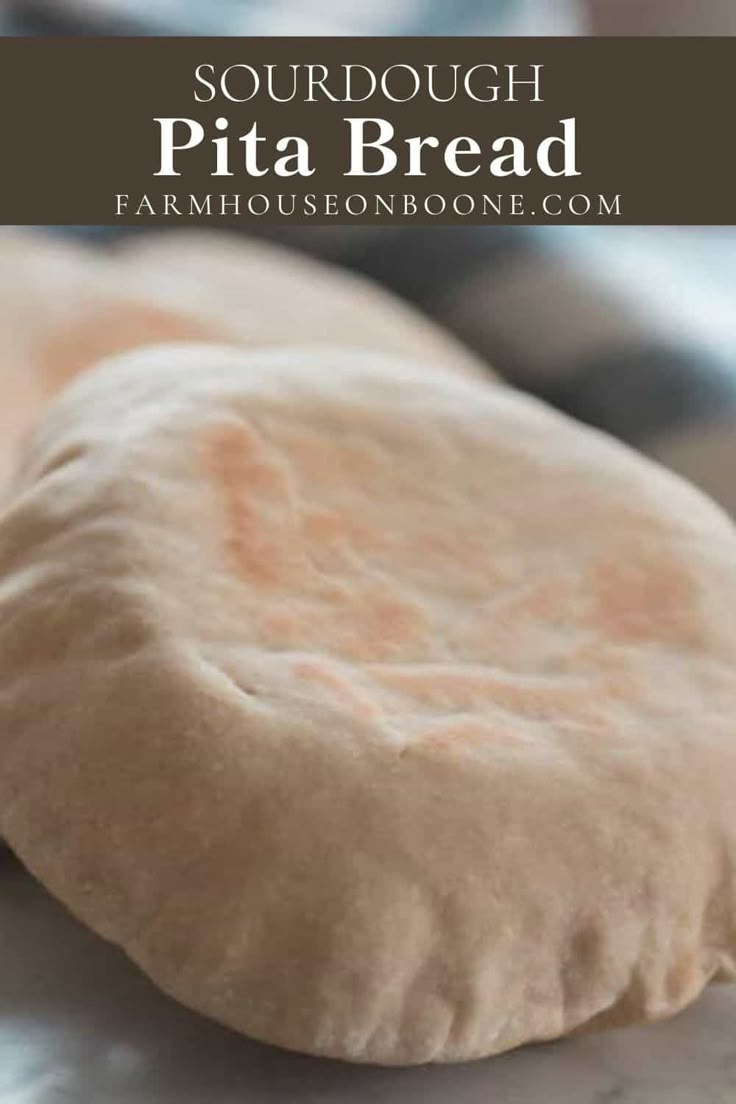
(367, 131)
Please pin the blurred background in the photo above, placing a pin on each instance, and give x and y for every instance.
(630, 329)
(390, 17)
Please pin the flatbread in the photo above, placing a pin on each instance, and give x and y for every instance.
(374, 711)
(22, 393)
(66, 305)
(62, 307)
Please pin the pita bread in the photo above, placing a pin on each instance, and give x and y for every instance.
(65, 306)
(375, 712)
(62, 308)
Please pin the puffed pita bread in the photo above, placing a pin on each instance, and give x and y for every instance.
(22, 312)
(64, 306)
(375, 712)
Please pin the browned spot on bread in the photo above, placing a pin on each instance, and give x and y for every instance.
(281, 626)
(524, 625)
(322, 458)
(465, 731)
(373, 620)
(331, 537)
(260, 538)
(435, 686)
(642, 597)
(541, 601)
(319, 673)
(104, 330)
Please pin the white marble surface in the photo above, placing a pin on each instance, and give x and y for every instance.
(80, 1025)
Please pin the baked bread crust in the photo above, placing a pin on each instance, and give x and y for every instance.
(374, 711)
(65, 306)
